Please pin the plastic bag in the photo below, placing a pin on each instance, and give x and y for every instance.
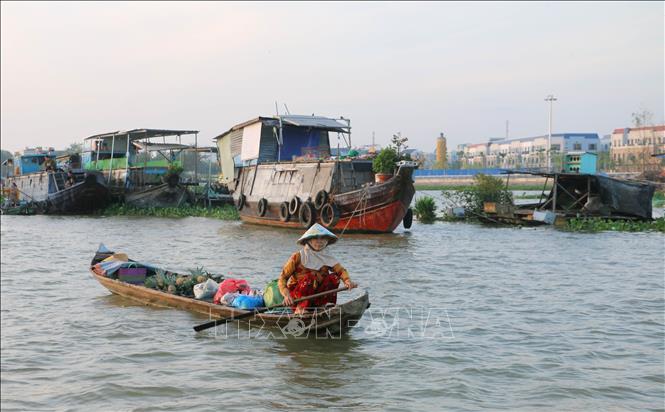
(247, 302)
(205, 290)
(231, 286)
(272, 295)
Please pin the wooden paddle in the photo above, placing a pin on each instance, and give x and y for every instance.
(256, 311)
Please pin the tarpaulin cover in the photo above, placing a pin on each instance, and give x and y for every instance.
(618, 197)
(629, 198)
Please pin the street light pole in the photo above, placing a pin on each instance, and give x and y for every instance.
(550, 98)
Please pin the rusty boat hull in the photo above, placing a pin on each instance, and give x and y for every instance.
(372, 208)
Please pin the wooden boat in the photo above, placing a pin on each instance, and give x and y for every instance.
(374, 208)
(46, 188)
(281, 173)
(325, 322)
(164, 195)
(138, 170)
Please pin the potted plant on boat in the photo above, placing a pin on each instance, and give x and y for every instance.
(383, 164)
(172, 175)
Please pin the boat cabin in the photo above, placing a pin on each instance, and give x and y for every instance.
(287, 138)
(32, 160)
(121, 149)
(134, 158)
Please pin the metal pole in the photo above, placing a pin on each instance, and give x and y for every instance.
(127, 160)
(209, 173)
(280, 140)
(145, 158)
(550, 98)
(196, 158)
(554, 193)
(111, 161)
(98, 143)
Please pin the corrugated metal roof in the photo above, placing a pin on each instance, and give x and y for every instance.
(152, 147)
(318, 122)
(143, 133)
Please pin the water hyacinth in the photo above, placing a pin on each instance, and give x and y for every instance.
(225, 212)
(600, 225)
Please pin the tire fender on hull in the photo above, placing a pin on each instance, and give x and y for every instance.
(307, 215)
(284, 214)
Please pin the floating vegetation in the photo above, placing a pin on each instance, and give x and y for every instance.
(425, 210)
(600, 225)
(658, 199)
(225, 212)
(487, 189)
(469, 187)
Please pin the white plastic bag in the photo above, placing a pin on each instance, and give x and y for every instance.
(206, 290)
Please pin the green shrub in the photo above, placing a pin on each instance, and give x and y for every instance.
(486, 189)
(385, 161)
(425, 209)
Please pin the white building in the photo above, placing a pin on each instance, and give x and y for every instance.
(527, 152)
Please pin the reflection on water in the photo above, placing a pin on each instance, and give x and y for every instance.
(538, 318)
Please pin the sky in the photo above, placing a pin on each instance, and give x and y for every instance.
(71, 70)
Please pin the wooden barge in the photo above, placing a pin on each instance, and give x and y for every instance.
(47, 188)
(281, 173)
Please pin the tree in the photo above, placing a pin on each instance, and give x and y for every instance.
(74, 148)
(641, 119)
(399, 143)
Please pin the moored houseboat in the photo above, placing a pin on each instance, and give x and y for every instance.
(281, 173)
(139, 169)
(55, 188)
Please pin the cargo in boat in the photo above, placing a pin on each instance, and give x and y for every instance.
(324, 322)
(281, 173)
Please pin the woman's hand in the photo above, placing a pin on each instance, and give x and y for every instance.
(288, 300)
(350, 285)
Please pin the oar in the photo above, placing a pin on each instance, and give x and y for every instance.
(217, 322)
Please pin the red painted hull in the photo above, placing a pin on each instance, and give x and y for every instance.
(381, 220)
(375, 209)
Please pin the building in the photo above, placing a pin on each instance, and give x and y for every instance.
(632, 149)
(580, 162)
(527, 152)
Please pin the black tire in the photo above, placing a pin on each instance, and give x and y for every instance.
(294, 205)
(320, 199)
(241, 202)
(408, 219)
(307, 215)
(329, 215)
(263, 206)
(284, 214)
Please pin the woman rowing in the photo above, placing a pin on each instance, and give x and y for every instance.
(310, 271)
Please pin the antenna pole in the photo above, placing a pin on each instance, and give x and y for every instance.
(279, 141)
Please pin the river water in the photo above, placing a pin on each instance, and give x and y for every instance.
(463, 317)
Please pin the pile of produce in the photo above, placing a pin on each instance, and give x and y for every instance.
(177, 284)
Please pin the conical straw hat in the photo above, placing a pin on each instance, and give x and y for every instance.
(317, 231)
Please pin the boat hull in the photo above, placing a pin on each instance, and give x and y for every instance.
(374, 208)
(83, 197)
(329, 322)
(46, 192)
